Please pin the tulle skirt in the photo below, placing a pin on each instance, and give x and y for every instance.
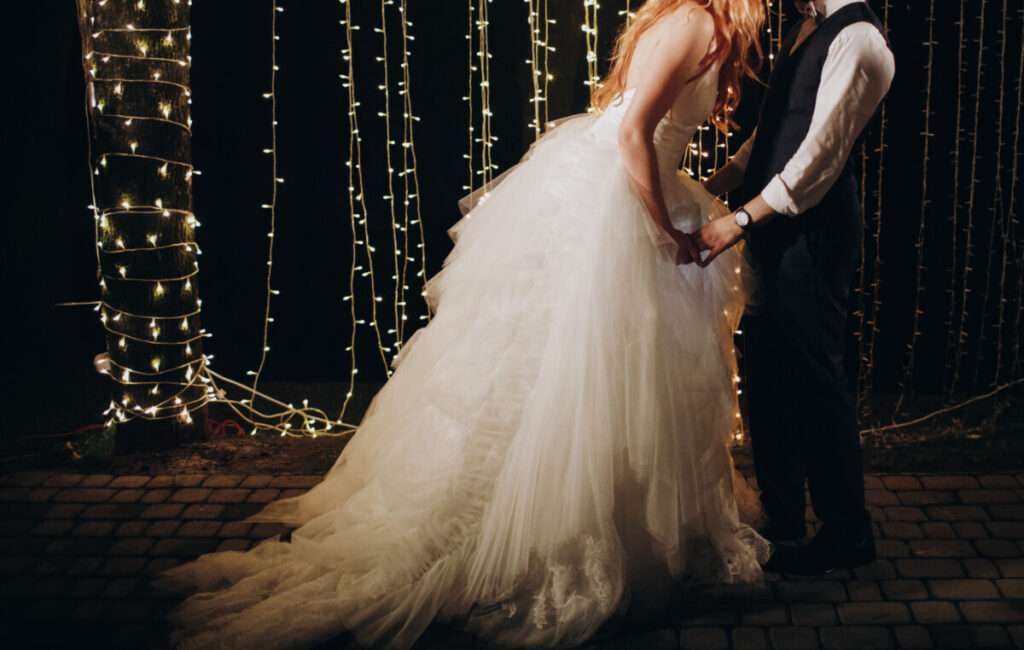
(555, 440)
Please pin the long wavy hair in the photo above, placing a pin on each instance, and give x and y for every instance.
(736, 46)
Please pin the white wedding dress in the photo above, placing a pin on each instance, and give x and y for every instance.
(553, 442)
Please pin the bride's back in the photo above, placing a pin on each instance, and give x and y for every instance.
(672, 44)
(656, 48)
(688, 20)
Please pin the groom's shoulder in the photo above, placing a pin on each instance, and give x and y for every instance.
(867, 27)
(865, 36)
(864, 31)
(866, 46)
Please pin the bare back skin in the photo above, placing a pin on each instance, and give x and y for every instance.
(663, 35)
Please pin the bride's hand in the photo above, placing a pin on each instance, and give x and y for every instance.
(687, 251)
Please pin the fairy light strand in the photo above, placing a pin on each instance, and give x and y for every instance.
(1012, 210)
(997, 222)
(397, 277)
(532, 20)
(539, 76)
(862, 278)
(590, 32)
(919, 279)
(470, 121)
(547, 50)
(487, 134)
(876, 276)
(971, 196)
(121, 48)
(358, 213)
(271, 207)
(479, 66)
(354, 177)
(410, 175)
(769, 31)
(953, 359)
(628, 13)
(943, 411)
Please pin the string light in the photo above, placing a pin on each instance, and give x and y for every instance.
(480, 27)
(908, 368)
(772, 48)
(389, 198)
(590, 27)
(953, 333)
(861, 311)
(876, 284)
(470, 122)
(547, 51)
(358, 213)
(942, 411)
(628, 13)
(536, 99)
(354, 177)
(400, 227)
(487, 137)
(971, 195)
(1012, 211)
(410, 177)
(271, 207)
(138, 97)
(997, 220)
(540, 75)
(867, 374)
(161, 370)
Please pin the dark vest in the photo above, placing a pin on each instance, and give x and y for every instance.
(784, 121)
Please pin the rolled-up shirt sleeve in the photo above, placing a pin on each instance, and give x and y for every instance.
(857, 73)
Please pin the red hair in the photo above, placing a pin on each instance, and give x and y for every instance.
(736, 46)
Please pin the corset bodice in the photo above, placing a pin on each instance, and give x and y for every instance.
(689, 111)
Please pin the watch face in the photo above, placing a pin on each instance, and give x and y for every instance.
(742, 218)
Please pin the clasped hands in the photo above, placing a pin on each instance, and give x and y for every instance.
(716, 237)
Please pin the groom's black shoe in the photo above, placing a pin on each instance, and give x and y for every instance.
(824, 554)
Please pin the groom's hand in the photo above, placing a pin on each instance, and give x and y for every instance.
(717, 236)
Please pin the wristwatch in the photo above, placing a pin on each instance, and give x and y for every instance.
(743, 219)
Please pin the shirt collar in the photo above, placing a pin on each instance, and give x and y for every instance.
(828, 7)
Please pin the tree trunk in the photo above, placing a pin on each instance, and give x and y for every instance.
(136, 59)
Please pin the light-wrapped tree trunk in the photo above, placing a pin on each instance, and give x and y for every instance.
(137, 66)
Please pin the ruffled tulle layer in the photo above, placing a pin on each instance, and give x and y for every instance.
(553, 441)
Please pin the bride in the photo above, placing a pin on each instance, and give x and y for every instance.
(552, 448)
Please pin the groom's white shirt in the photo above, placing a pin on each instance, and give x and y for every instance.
(855, 77)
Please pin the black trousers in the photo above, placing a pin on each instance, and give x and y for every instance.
(803, 420)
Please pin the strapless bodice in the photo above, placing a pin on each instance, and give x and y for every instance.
(689, 111)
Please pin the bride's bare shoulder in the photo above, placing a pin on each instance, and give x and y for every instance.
(689, 19)
(679, 35)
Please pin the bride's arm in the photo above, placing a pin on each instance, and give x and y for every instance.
(683, 40)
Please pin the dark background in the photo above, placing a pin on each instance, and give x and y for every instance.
(47, 257)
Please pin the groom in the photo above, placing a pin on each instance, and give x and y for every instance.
(801, 220)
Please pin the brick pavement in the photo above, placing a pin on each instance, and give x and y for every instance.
(76, 552)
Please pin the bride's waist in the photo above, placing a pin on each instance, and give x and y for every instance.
(668, 148)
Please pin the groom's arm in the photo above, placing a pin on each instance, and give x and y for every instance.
(857, 73)
(856, 76)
